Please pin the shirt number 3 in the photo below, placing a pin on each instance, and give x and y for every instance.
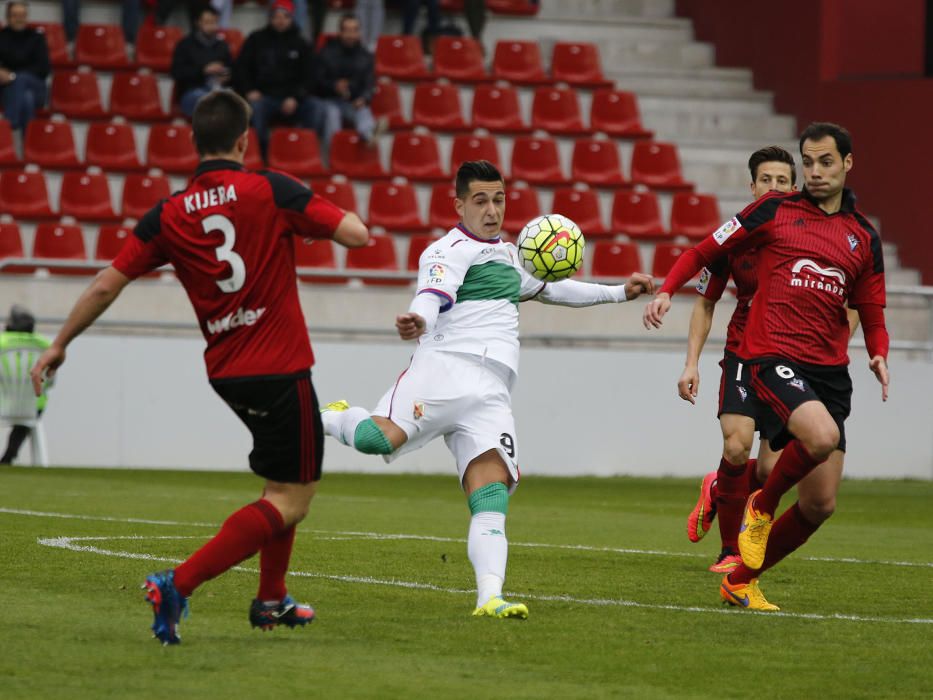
(224, 252)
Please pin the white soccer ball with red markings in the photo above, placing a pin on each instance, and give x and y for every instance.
(550, 247)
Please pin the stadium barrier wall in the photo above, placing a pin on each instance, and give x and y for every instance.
(142, 401)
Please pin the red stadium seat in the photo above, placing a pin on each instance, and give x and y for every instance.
(437, 107)
(110, 241)
(637, 215)
(394, 207)
(441, 213)
(170, 148)
(596, 162)
(557, 110)
(513, 7)
(416, 246)
(521, 206)
(535, 160)
(50, 143)
(340, 192)
(136, 96)
(615, 113)
(496, 107)
(694, 215)
(400, 57)
(141, 192)
(253, 158)
(76, 94)
(234, 39)
(56, 42)
(416, 157)
(519, 62)
(459, 58)
(155, 45)
(473, 147)
(295, 151)
(101, 46)
(111, 146)
(582, 207)
(86, 197)
(387, 103)
(657, 165)
(350, 156)
(377, 254)
(11, 246)
(62, 241)
(612, 259)
(8, 155)
(24, 195)
(577, 64)
(319, 254)
(665, 255)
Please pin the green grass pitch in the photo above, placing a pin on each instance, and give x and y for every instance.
(621, 604)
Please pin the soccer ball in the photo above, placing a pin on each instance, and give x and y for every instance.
(550, 247)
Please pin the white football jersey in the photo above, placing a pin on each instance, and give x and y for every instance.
(480, 283)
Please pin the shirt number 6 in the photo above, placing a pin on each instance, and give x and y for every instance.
(224, 252)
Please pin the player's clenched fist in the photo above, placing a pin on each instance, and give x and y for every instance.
(656, 309)
(639, 283)
(410, 326)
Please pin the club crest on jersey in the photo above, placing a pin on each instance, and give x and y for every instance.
(853, 242)
(722, 234)
(743, 392)
(809, 275)
(797, 383)
(418, 411)
(703, 284)
(436, 273)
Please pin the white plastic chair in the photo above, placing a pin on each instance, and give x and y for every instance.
(17, 399)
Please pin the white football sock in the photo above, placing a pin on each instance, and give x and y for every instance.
(488, 550)
(343, 424)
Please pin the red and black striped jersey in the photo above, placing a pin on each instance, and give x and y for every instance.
(229, 237)
(743, 268)
(810, 265)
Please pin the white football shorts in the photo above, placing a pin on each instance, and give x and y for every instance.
(465, 398)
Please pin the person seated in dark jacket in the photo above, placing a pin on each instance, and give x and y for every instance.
(24, 66)
(201, 61)
(344, 77)
(273, 72)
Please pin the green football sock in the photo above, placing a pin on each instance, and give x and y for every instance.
(491, 498)
(369, 439)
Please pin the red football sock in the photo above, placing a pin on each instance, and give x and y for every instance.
(794, 464)
(273, 565)
(730, 501)
(242, 535)
(751, 474)
(789, 532)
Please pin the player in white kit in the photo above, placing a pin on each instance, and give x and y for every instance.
(458, 385)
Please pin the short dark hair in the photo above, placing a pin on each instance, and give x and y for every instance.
(347, 16)
(219, 119)
(772, 154)
(471, 170)
(20, 320)
(820, 130)
(207, 7)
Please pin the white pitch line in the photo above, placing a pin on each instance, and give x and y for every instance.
(455, 540)
(70, 543)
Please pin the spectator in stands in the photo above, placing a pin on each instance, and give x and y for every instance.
(345, 78)
(410, 9)
(165, 8)
(201, 61)
(71, 18)
(371, 14)
(475, 12)
(24, 66)
(274, 73)
(20, 335)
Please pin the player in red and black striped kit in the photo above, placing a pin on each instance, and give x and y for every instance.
(229, 236)
(817, 252)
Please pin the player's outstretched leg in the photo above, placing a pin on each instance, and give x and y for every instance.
(488, 550)
(701, 517)
(745, 595)
(168, 606)
(273, 606)
(354, 426)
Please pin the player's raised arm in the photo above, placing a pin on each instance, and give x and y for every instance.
(569, 292)
(98, 296)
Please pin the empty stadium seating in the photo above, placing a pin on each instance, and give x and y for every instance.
(441, 213)
(154, 46)
(460, 59)
(61, 241)
(378, 254)
(340, 192)
(24, 194)
(110, 241)
(665, 255)
(582, 207)
(11, 246)
(101, 46)
(8, 155)
(400, 57)
(577, 64)
(136, 96)
(350, 156)
(319, 254)
(416, 246)
(387, 103)
(557, 110)
(694, 215)
(535, 160)
(394, 207)
(615, 113)
(295, 151)
(56, 43)
(657, 165)
(86, 196)
(495, 107)
(596, 162)
(169, 148)
(521, 205)
(111, 146)
(141, 192)
(416, 156)
(437, 106)
(614, 259)
(519, 62)
(637, 215)
(50, 143)
(473, 147)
